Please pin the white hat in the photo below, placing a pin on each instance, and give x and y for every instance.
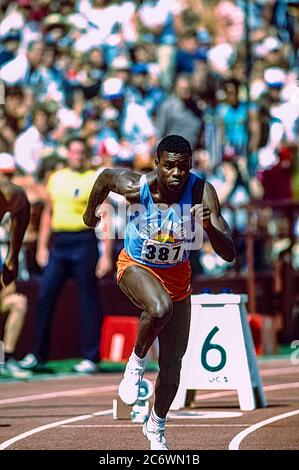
(270, 44)
(221, 57)
(275, 77)
(7, 163)
(112, 88)
(120, 62)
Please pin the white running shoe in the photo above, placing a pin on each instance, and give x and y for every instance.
(30, 361)
(12, 369)
(85, 366)
(128, 389)
(155, 438)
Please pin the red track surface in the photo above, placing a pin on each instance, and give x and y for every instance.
(26, 406)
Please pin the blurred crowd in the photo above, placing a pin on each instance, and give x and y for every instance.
(123, 74)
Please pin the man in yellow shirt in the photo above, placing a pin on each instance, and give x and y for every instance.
(73, 253)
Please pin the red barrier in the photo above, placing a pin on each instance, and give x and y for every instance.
(118, 337)
(265, 330)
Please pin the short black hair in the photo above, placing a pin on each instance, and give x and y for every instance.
(75, 138)
(49, 164)
(40, 108)
(174, 143)
(14, 91)
(233, 81)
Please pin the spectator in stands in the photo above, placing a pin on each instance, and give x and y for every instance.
(180, 114)
(32, 143)
(161, 22)
(53, 82)
(103, 23)
(143, 91)
(9, 46)
(230, 18)
(271, 117)
(189, 53)
(73, 253)
(13, 114)
(24, 70)
(136, 129)
(282, 173)
(233, 114)
(19, 16)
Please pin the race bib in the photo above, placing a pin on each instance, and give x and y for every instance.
(162, 253)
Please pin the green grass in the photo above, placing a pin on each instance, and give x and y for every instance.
(284, 351)
(63, 368)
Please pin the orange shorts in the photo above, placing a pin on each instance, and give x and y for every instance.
(176, 279)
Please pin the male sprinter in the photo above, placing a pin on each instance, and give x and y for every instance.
(153, 268)
(14, 200)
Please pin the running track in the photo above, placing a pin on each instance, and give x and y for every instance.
(75, 413)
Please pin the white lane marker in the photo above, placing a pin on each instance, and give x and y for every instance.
(236, 441)
(186, 414)
(168, 425)
(29, 433)
(112, 388)
(281, 386)
(64, 393)
(279, 371)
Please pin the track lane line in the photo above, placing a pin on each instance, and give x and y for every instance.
(45, 427)
(168, 425)
(64, 393)
(236, 441)
(111, 388)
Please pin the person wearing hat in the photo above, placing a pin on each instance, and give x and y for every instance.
(142, 91)
(24, 69)
(120, 67)
(13, 200)
(56, 27)
(9, 46)
(272, 126)
(136, 129)
(21, 16)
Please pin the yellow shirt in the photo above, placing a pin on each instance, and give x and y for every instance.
(295, 186)
(69, 191)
